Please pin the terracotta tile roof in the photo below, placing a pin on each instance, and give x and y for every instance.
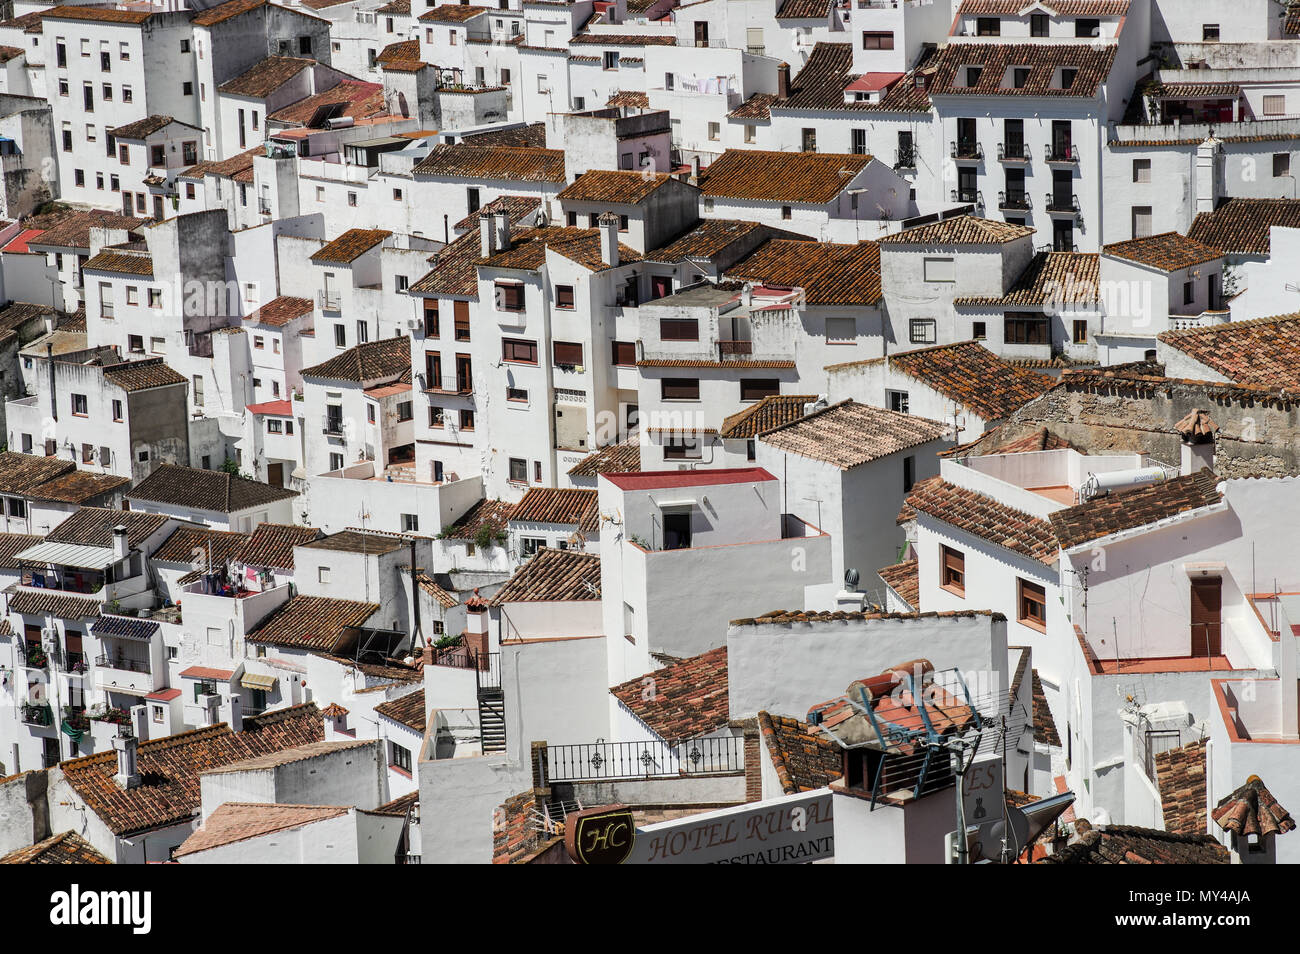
(1241, 226)
(517, 837)
(432, 587)
(407, 709)
(553, 576)
(903, 579)
(774, 177)
(401, 7)
(710, 238)
(519, 207)
(354, 98)
(622, 39)
(271, 544)
(804, 9)
(212, 490)
(1252, 810)
(613, 185)
(264, 78)
(20, 474)
(1261, 351)
(629, 99)
(688, 698)
(531, 134)
(511, 163)
(452, 13)
(170, 768)
(28, 22)
(1180, 777)
(454, 270)
(207, 672)
(142, 375)
(79, 487)
(1054, 278)
(529, 248)
(775, 364)
(959, 230)
(143, 128)
(359, 541)
(803, 758)
(490, 513)
(985, 518)
(333, 711)
(233, 822)
(1042, 59)
(14, 543)
(290, 756)
(54, 602)
(1040, 440)
(1193, 90)
(312, 622)
(371, 361)
(398, 806)
(401, 51)
(758, 106)
(1168, 251)
(225, 11)
(568, 505)
(1128, 845)
(820, 84)
(829, 273)
(350, 246)
(1291, 27)
(969, 374)
(73, 231)
(180, 546)
(1060, 8)
(67, 848)
(122, 263)
(93, 527)
(612, 458)
(1044, 725)
(849, 434)
(279, 311)
(1128, 510)
(773, 411)
(101, 14)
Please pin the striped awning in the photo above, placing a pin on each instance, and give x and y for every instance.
(256, 680)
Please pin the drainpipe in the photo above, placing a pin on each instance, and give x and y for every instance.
(49, 358)
(416, 633)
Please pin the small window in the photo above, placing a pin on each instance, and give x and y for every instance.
(624, 354)
(564, 296)
(322, 574)
(679, 329)
(979, 330)
(875, 40)
(1032, 605)
(1141, 170)
(922, 330)
(1281, 165)
(79, 405)
(940, 270)
(514, 349)
(410, 523)
(952, 571)
(1275, 105)
(1080, 331)
(1210, 33)
(988, 26)
(509, 296)
(567, 352)
(755, 389)
(679, 389)
(909, 473)
(518, 470)
(785, 212)
(841, 331)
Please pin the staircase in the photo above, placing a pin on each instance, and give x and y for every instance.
(491, 703)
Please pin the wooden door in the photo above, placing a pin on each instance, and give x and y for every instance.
(1207, 607)
(275, 474)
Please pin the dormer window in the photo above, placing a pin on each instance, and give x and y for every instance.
(1087, 28)
(1065, 78)
(988, 26)
(1016, 77)
(973, 74)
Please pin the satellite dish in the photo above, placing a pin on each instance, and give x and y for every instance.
(851, 578)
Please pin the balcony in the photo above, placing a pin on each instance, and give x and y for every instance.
(35, 659)
(966, 149)
(1061, 153)
(122, 674)
(968, 196)
(1205, 319)
(38, 715)
(264, 206)
(1062, 204)
(328, 300)
(735, 350)
(1013, 152)
(333, 426)
(203, 712)
(451, 386)
(1014, 201)
(905, 158)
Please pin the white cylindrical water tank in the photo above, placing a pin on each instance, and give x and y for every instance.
(1098, 484)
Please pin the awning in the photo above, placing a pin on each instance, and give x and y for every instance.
(256, 680)
(69, 554)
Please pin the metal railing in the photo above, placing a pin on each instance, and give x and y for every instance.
(328, 300)
(122, 663)
(734, 349)
(1063, 203)
(1057, 152)
(972, 196)
(37, 714)
(1014, 200)
(487, 666)
(611, 760)
(905, 158)
(966, 149)
(1013, 152)
(333, 426)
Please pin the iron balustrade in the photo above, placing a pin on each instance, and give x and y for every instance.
(1063, 203)
(734, 349)
(1013, 200)
(1061, 152)
(37, 714)
(905, 158)
(126, 665)
(612, 760)
(1013, 152)
(486, 666)
(966, 149)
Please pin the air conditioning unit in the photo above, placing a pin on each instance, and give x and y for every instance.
(412, 323)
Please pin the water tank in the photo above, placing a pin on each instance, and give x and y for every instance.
(1098, 484)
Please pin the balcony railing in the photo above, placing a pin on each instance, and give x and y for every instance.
(611, 760)
(328, 300)
(966, 149)
(905, 158)
(735, 350)
(333, 426)
(1058, 247)
(37, 714)
(122, 663)
(1061, 203)
(1014, 200)
(264, 206)
(1013, 152)
(969, 196)
(1061, 152)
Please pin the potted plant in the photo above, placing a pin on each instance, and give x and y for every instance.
(37, 659)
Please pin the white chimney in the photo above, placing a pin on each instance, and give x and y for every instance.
(501, 229)
(128, 774)
(120, 549)
(695, 168)
(608, 223)
(1209, 174)
(747, 295)
(236, 720)
(487, 235)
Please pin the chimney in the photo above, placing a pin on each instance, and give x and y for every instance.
(695, 168)
(236, 714)
(501, 229)
(120, 549)
(1197, 430)
(783, 81)
(49, 323)
(487, 235)
(128, 775)
(1209, 174)
(609, 239)
(747, 295)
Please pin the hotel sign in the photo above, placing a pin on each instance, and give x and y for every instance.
(600, 836)
(794, 829)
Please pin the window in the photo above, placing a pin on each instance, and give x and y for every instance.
(940, 270)
(370, 413)
(952, 571)
(715, 131)
(679, 389)
(1039, 24)
(1189, 293)
(322, 574)
(567, 352)
(841, 331)
(117, 410)
(988, 26)
(1025, 328)
(340, 336)
(274, 427)
(1281, 164)
(461, 321)
(198, 390)
(518, 395)
(921, 331)
(973, 74)
(909, 473)
(1087, 27)
(401, 283)
(785, 212)
(1275, 105)
(466, 419)
(624, 354)
(509, 296)
(187, 88)
(979, 330)
(1141, 170)
(751, 132)
(514, 349)
(79, 405)
(135, 344)
(1141, 221)
(430, 318)
(401, 757)
(679, 329)
(563, 296)
(157, 713)
(410, 523)
(681, 447)
(755, 389)
(1210, 33)
(877, 40)
(897, 401)
(1080, 331)
(518, 470)
(1031, 602)
(859, 142)
(397, 195)
(808, 140)
(127, 95)
(611, 60)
